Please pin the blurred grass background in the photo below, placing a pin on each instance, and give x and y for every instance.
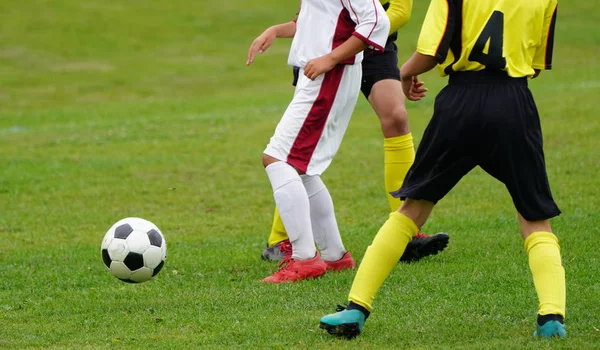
(115, 109)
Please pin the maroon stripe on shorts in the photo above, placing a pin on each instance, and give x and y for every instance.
(314, 124)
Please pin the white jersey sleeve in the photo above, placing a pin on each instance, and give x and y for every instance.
(372, 23)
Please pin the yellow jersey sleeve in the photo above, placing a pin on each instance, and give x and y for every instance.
(437, 30)
(398, 12)
(543, 53)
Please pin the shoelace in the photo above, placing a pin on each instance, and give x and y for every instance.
(285, 263)
(286, 248)
(420, 235)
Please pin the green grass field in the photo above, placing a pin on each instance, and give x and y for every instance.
(111, 109)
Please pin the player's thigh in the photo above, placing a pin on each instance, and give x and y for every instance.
(294, 118)
(378, 66)
(523, 172)
(336, 121)
(513, 151)
(445, 153)
(387, 100)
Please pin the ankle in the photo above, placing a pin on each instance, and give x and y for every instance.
(542, 319)
(354, 306)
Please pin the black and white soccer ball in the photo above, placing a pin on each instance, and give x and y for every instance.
(134, 250)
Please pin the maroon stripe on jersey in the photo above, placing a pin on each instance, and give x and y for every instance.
(376, 20)
(308, 137)
(352, 8)
(343, 31)
(378, 47)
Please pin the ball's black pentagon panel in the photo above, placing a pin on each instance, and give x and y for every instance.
(123, 231)
(106, 257)
(157, 269)
(134, 261)
(155, 238)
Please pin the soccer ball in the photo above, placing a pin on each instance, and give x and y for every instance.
(134, 250)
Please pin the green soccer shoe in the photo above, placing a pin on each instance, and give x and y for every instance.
(346, 323)
(551, 329)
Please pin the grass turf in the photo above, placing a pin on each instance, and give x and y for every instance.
(110, 110)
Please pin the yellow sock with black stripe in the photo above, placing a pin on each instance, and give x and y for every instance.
(399, 155)
(278, 232)
(381, 257)
(548, 272)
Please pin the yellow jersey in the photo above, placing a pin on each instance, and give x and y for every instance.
(515, 36)
(398, 11)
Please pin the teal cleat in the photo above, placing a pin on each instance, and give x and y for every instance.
(345, 323)
(551, 329)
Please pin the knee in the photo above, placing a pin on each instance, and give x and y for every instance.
(528, 227)
(268, 160)
(417, 210)
(395, 121)
(313, 184)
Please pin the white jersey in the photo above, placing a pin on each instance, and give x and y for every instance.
(323, 25)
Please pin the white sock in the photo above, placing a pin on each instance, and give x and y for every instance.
(324, 225)
(292, 202)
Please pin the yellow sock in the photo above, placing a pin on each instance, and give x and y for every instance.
(278, 232)
(399, 155)
(381, 256)
(548, 272)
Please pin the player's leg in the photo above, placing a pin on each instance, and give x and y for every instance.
(292, 200)
(278, 246)
(278, 233)
(382, 88)
(548, 274)
(385, 250)
(324, 225)
(305, 142)
(325, 228)
(379, 260)
(516, 158)
(387, 100)
(439, 164)
(278, 241)
(291, 197)
(381, 85)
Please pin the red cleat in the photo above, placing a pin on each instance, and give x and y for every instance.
(346, 262)
(291, 270)
(420, 235)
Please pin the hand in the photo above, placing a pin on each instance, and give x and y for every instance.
(318, 66)
(413, 88)
(261, 44)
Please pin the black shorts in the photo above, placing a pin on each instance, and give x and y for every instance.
(376, 66)
(489, 120)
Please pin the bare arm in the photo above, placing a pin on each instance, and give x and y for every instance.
(265, 40)
(324, 64)
(417, 64)
(285, 30)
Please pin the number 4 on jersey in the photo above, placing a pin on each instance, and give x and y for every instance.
(494, 33)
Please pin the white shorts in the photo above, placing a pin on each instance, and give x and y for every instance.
(311, 130)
